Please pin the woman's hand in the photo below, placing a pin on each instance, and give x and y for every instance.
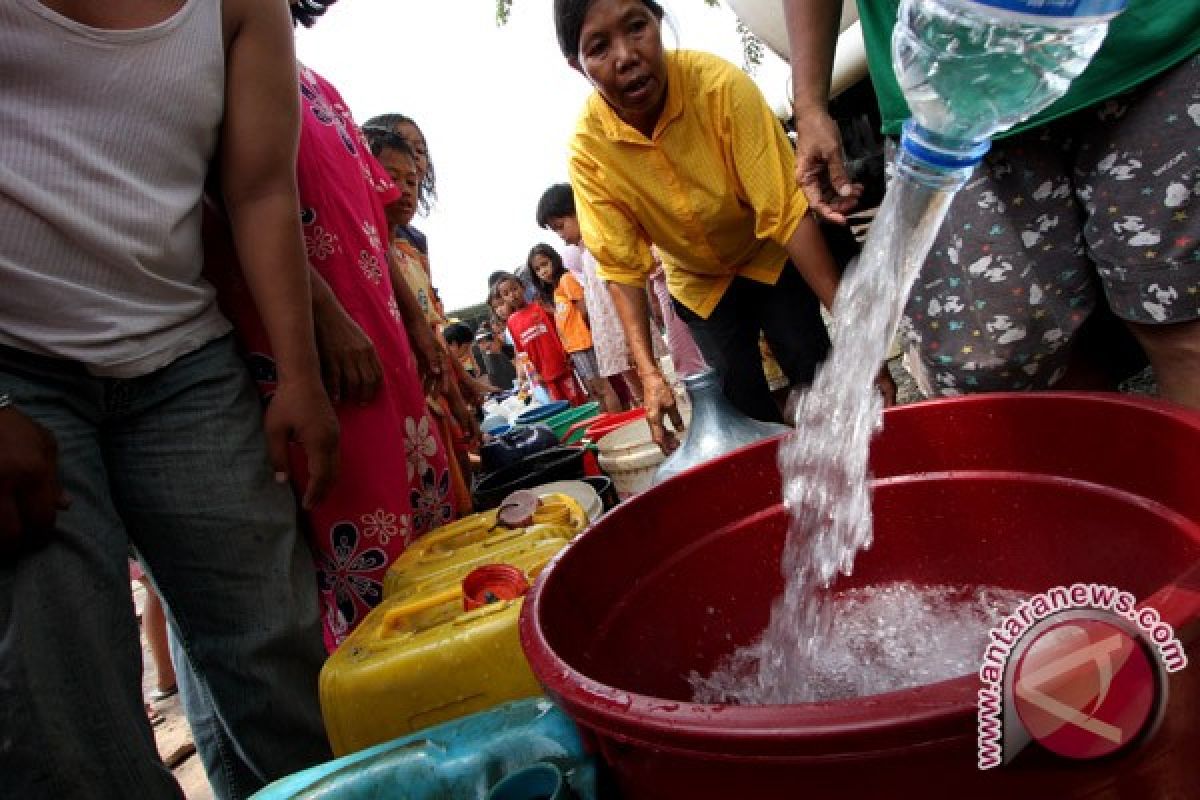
(299, 411)
(431, 361)
(659, 399)
(821, 168)
(349, 364)
(466, 420)
(472, 389)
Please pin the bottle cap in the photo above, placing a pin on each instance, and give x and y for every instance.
(939, 151)
(493, 583)
(1058, 8)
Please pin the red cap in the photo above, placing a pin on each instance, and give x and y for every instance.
(493, 583)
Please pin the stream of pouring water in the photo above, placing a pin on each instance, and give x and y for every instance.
(824, 462)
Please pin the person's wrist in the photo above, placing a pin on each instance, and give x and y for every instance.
(305, 382)
(804, 106)
(302, 372)
(323, 309)
(652, 374)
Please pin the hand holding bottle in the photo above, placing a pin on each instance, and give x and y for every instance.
(821, 166)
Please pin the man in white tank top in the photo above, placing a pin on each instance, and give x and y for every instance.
(113, 351)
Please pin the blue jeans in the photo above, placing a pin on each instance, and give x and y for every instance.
(175, 464)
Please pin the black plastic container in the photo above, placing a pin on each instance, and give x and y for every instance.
(555, 464)
(605, 488)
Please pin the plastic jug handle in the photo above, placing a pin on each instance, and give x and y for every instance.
(507, 536)
(399, 618)
(469, 618)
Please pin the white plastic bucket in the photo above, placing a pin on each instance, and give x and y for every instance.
(630, 457)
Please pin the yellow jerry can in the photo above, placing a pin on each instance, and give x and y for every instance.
(478, 539)
(420, 658)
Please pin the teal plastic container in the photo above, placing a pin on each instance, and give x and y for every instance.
(562, 422)
(542, 412)
(539, 782)
(462, 759)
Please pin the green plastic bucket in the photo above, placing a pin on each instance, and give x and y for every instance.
(563, 420)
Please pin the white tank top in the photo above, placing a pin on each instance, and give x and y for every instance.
(106, 138)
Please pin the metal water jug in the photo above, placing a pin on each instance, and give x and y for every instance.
(716, 427)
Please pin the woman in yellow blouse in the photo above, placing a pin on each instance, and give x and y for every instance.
(680, 150)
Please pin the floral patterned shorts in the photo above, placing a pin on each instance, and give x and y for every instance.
(1101, 200)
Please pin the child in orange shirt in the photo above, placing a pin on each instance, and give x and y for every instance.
(571, 317)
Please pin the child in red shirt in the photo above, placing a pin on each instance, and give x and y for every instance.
(533, 332)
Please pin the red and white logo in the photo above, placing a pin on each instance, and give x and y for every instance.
(1085, 688)
(1081, 670)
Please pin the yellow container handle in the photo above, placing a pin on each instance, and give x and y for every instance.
(553, 513)
(401, 618)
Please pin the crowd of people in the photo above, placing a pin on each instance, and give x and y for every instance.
(223, 353)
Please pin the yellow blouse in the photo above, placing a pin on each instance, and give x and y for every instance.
(713, 188)
(417, 278)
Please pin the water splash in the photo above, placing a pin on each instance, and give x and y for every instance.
(883, 638)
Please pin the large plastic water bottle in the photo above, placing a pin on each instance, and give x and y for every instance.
(969, 69)
(972, 68)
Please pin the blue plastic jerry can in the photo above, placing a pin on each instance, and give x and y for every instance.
(463, 759)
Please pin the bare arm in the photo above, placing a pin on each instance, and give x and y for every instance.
(581, 307)
(472, 389)
(349, 363)
(573, 291)
(480, 386)
(461, 411)
(815, 264)
(808, 251)
(259, 139)
(427, 351)
(812, 27)
(656, 309)
(633, 309)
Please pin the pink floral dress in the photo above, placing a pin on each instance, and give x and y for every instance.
(608, 337)
(394, 484)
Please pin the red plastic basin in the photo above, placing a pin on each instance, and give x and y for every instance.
(1021, 491)
(607, 423)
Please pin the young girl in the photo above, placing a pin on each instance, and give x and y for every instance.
(680, 149)
(447, 400)
(403, 147)
(556, 212)
(533, 333)
(571, 317)
(397, 158)
(407, 129)
(395, 467)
